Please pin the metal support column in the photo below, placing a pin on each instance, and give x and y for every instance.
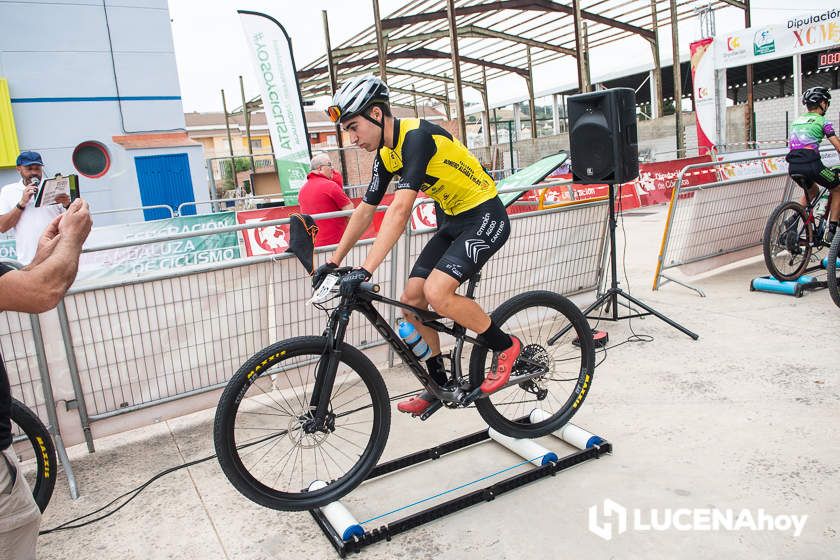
(446, 107)
(675, 42)
(49, 403)
(555, 114)
(750, 94)
(247, 115)
(333, 88)
(485, 100)
(414, 96)
(230, 147)
(797, 83)
(456, 69)
(227, 127)
(583, 69)
(532, 105)
(380, 40)
(517, 121)
(656, 109)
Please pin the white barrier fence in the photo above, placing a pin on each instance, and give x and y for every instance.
(714, 224)
(159, 346)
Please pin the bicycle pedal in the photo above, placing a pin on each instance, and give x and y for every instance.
(434, 407)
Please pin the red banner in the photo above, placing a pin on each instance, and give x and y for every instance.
(703, 80)
(275, 239)
(657, 179)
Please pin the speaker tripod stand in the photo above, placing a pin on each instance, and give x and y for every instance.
(614, 292)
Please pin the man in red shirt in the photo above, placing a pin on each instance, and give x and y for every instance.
(322, 194)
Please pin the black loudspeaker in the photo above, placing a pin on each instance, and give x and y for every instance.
(603, 137)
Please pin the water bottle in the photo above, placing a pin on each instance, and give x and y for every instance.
(821, 205)
(413, 339)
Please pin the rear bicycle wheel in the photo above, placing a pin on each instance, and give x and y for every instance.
(35, 452)
(260, 431)
(567, 367)
(787, 241)
(833, 276)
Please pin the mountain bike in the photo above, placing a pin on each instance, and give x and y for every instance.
(792, 234)
(314, 408)
(35, 452)
(833, 271)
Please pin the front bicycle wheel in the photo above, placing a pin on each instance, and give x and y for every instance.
(788, 241)
(567, 365)
(35, 452)
(833, 277)
(263, 436)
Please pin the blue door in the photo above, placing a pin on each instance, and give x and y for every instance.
(164, 179)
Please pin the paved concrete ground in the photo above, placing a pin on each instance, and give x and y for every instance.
(746, 417)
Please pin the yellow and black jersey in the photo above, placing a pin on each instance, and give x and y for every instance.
(426, 157)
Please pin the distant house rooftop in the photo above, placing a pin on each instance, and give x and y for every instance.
(213, 124)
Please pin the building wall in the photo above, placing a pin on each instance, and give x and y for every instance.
(65, 79)
(773, 116)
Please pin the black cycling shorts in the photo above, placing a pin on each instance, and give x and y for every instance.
(464, 243)
(811, 167)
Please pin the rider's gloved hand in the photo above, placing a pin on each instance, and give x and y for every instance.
(350, 283)
(322, 272)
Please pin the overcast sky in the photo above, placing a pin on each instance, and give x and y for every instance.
(211, 50)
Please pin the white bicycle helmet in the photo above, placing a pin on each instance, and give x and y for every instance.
(355, 96)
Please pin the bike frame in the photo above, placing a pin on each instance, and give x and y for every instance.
(811, 219)
(362, 302)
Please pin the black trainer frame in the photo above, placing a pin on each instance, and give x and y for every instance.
(486, 494)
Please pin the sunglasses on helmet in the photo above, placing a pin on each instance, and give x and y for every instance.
(334, 113)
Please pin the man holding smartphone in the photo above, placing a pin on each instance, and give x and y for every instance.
(18, 212)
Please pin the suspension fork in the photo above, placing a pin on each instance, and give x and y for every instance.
(327, 368)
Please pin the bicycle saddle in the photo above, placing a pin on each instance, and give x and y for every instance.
(801, 180)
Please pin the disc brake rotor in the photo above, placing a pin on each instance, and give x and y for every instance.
(533, 359)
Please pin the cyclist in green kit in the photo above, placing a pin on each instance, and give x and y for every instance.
(807, 132)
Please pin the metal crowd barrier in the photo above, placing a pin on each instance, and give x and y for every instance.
(720, 218)
(135, 343)
(137, 209)
(220, 204)
(25, 361)
(142, 342)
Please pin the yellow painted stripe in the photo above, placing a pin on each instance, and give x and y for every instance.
(664, 236)
(9, 148)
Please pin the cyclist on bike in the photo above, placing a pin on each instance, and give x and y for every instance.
(804, 157)
(472, 226)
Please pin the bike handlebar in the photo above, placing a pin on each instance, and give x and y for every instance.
(369, 287)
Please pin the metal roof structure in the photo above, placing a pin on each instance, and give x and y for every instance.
(418, 55)
(493, 38)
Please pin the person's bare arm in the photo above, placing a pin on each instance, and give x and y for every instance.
(835, 141)
(391, 229)
(10, 219)
(348, 206)
(41, 286)
(360, 220)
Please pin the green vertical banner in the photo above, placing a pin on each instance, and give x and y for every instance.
(274, 65)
